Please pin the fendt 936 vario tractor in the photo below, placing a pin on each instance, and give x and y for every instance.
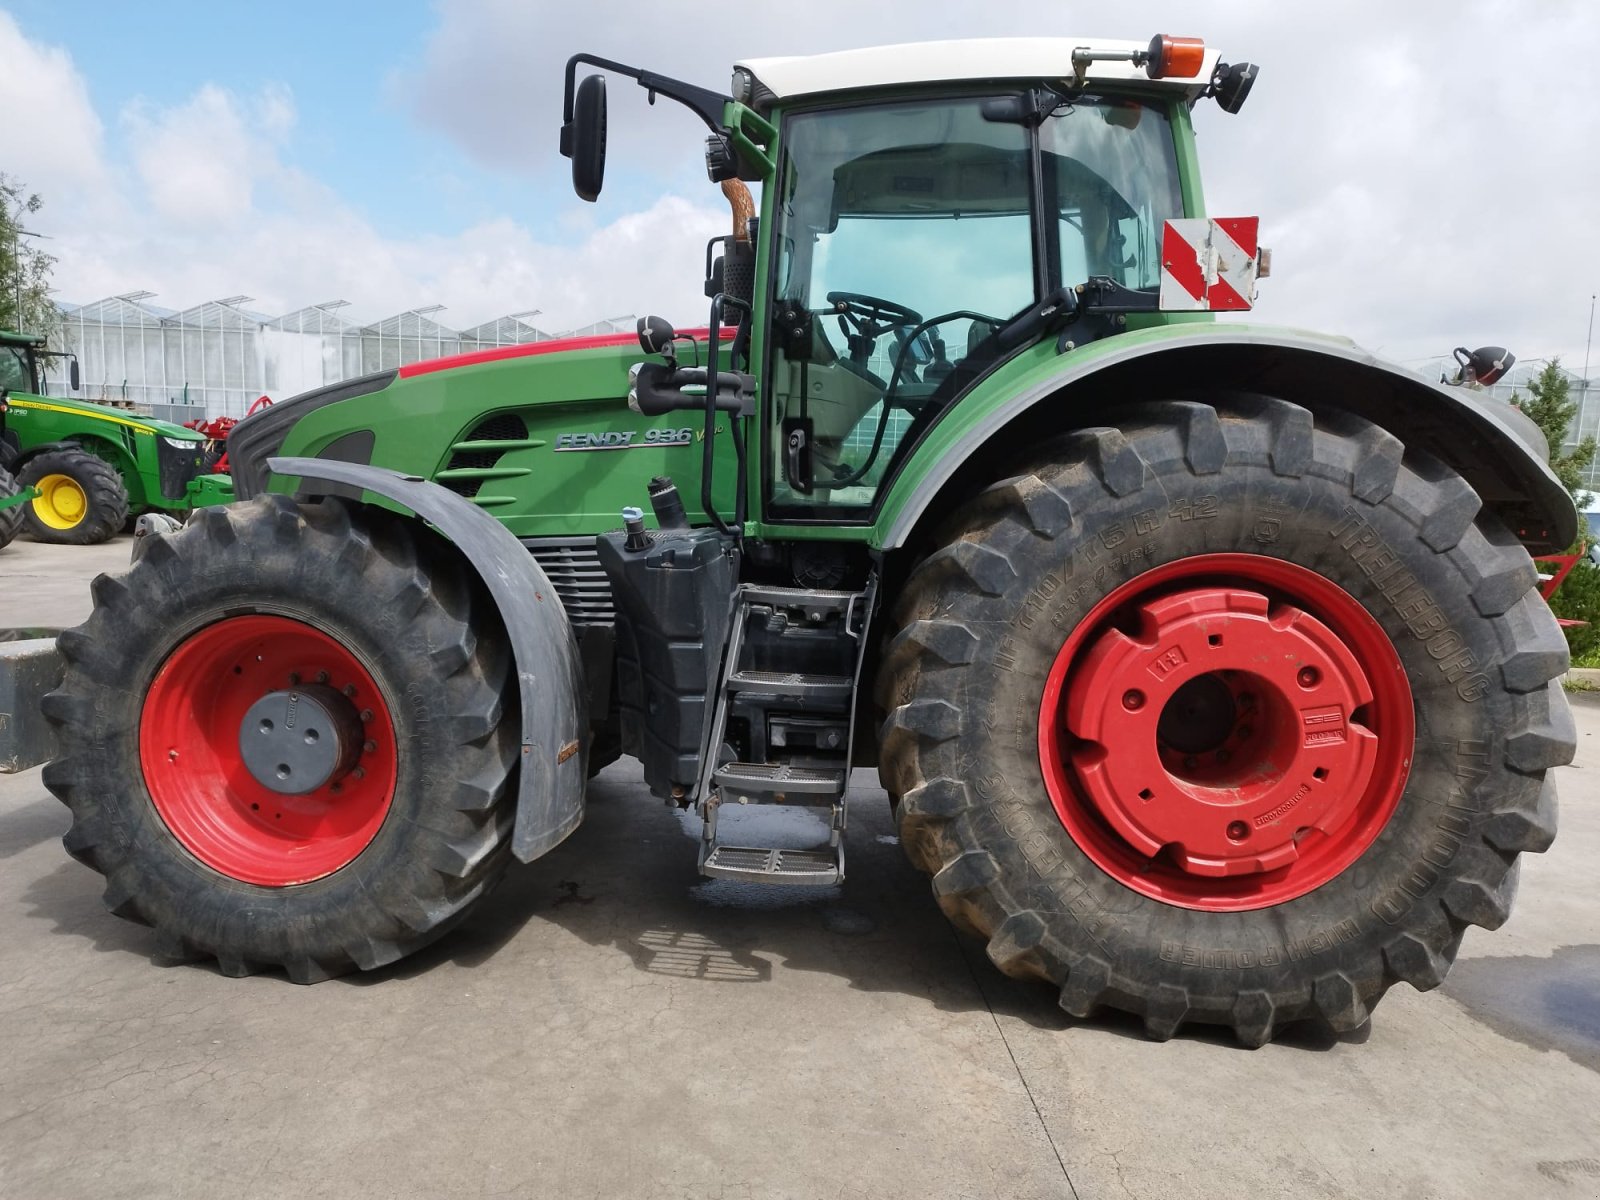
(1203, 663)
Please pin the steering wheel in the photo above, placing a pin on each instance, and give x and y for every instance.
(864, 319)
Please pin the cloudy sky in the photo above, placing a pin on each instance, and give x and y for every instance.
(1427, 172)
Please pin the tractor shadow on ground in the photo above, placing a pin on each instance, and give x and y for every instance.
(27, 825)
(626, 881)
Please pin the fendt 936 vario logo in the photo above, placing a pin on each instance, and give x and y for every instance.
(624, 439)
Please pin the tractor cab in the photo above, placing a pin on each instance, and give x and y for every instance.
(928, 213)
(22, 361)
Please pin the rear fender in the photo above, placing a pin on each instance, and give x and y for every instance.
(549, 678)
(1500, 452)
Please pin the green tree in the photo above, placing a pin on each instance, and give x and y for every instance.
(25, 302)
(1549, 402)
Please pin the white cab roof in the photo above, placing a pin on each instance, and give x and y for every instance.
(971, 59)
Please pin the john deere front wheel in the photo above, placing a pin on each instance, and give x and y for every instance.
(1226, 716)
(81, 501)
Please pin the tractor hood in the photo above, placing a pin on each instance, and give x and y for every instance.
(22, 402)
(541, 434)
(288, 427)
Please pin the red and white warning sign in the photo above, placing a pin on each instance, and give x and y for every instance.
(1208, 264)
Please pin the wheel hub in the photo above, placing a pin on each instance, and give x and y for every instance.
(294, 741)
(61, 502)
(268, 750)
(1218, 732)
(1225, 732)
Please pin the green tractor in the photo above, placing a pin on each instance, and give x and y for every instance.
(91, 466)
(1204, 664)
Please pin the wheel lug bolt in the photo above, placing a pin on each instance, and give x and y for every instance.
(294, 678)
(1223, 756)
(358, 773)
(1238, 831)
(366, 715)
(322, 677)
(368, 746)
(1133, 699)
(1191, 761)
(1245, 731)
(1308, 677)
(349, 689)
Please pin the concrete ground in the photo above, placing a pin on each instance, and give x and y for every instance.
(611, 1025)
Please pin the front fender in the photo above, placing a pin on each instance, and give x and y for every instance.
(1493, 446)
(549, 680)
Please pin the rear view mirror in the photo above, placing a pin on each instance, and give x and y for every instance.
(588, 138)
(74, 376)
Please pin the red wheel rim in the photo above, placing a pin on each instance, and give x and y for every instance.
(1226, 732)
(190, 752)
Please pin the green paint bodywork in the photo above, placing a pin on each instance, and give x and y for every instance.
(537, 490)
(125, 440)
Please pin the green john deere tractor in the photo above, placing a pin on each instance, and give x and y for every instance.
(91, 466)
(1203, 663)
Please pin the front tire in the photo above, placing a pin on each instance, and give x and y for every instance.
(346, 850)
(82, 501)
(1284, 837)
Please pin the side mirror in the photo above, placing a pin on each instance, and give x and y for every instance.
(656, 336)
(74, 376)
(1485, 365)
(587, 140)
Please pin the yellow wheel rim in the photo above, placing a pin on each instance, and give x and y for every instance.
(61, 502)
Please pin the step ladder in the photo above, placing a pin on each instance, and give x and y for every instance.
(786, 701)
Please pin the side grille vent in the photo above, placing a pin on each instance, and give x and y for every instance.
(573, 565)
(475, 459)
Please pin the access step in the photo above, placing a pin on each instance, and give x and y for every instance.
(794, 684)
(815, 604)
(755, 864)
(739, 780)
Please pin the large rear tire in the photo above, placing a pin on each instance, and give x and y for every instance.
(11, 517)
(1228, 717)
(177, 759)
(82, 501)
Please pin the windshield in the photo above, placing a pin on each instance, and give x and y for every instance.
(14, 370)
(908, 234)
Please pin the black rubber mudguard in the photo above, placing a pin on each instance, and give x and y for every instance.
(555, 717)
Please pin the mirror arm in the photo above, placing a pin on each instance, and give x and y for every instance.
(708, 459)
(705, 103)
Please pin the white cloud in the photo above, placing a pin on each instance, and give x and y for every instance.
(208, 203)
(200, 160)
(51, 129)
(1424, 171)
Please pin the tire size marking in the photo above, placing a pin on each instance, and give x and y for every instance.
(1412, 603)
(1202, 508)
(1016, 817)
(1218, 957)
(1453, 824)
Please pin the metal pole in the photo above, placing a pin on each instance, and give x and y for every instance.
(1588, 344)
